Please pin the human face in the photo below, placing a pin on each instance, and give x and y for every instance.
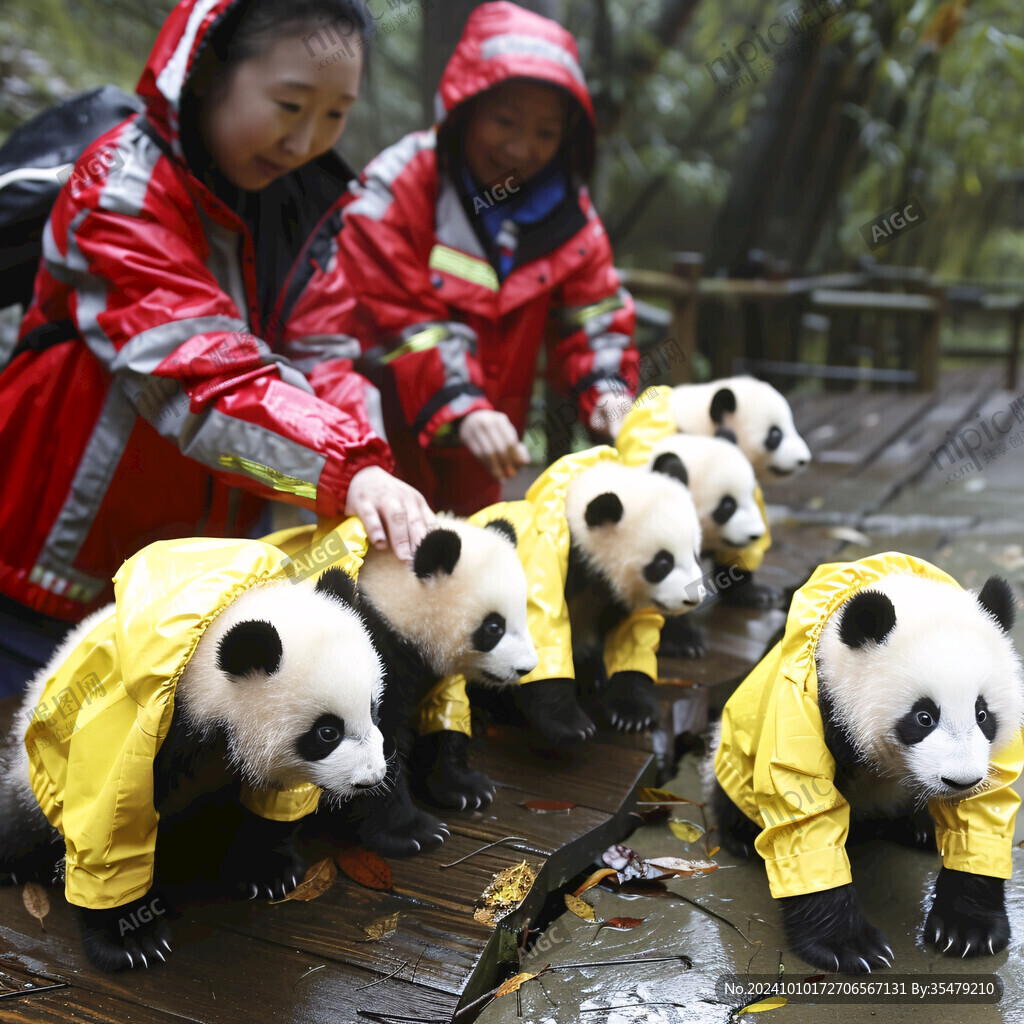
(277, 111)
(517, 126)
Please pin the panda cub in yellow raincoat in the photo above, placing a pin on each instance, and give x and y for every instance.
(179, 734)
(891, 688)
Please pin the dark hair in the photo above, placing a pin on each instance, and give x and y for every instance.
(249, 27)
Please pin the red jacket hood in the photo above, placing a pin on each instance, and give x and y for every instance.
(502, 41)
(184, 34)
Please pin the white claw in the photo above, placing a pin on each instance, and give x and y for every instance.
(948, 944)
(416, 844)
(990, 949)
(254, 890)
(938, 935)
(167, 945)
(888, 949)
(462, 805)
(966, 951)
(867, 966)
(142, 957)
(887, 963)
(834, 957)
(159, 954)
(131, 961)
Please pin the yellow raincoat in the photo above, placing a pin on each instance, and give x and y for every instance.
(543, 549)
(647, 422)
(774, 765)
(106, 710)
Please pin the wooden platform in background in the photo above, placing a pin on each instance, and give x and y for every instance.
(306, 962)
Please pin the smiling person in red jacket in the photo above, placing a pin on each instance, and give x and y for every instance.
(464, 241)
(205, 365)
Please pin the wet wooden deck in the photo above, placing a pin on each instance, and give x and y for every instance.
(310, 962)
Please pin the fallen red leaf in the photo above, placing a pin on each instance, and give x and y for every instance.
(622, 923)
(548, 806)
(364, 867)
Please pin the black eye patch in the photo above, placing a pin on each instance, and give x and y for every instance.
(488, 633)
(986, 720)
(322, 738)
(659, 567)
(918, 722)
(773, 440)
(725, 510)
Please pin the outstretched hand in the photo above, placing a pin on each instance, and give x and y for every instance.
(392, 512)
(492, 438)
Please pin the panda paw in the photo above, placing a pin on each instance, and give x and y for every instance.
(968, 915)
(130, 937)
(680, 638)
(439, 762)
(551, 709)
(393, 826)
(271, 874)
(629, 702)
(745, 593)
(828, 930)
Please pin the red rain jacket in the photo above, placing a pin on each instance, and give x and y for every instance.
(190, 392)
(452, 337)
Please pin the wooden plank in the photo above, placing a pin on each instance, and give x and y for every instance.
(75, 1005)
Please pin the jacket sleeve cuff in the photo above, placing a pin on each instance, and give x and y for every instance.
(442, 426)
(281, 804)
(445, 708)
(336, 476)
(808, 871)
(633, 645)
(554, 662)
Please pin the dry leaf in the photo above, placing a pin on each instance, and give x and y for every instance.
(581, 908)
(653, 815)
(548, 806)
(713, 851)
(318, 879)
(622, 923)
(380, 927)
(648, 795)
(687, 831)
(507, 890)
(598, 876)
(364, 867)
(772, 1003)
(684, 868)
(512, 985)
(36, 902)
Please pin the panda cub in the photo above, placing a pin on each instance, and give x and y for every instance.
(761, 421)
(721, 481)
(270, 705)
(918, 700)
(461, 609)
(635, 544)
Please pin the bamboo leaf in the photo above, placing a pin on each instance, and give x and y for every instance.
(771, 1003)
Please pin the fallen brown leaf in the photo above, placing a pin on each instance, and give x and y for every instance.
(512, 985)
(581, 908)
(598, 876)
(37, 903)
(318, 879)
(622, 923)
(684, 868)
(507, 890)
(364, 866)
(380, 927)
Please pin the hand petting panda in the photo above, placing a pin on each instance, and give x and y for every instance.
(911, 687)
(214, 705)
(460, 609)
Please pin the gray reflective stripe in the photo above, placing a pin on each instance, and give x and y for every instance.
(67, 582)
(452, 225)
(64, 266)
(211, 435)
(374, 193)
(307, 352)
(461, 403)
(89, 487)
(521, 45)
(160, 401)
(124, 189)
(149, 348)
(224, 261)
(172, 75)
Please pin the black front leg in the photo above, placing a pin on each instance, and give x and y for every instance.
(968, 915)
(629, 702)
(263, 860)
(682, 638)
(551, 709)
(829, 931)
(738, 589)
(135, 935)
(440, 766)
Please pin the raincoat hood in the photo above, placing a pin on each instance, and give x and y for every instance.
(108, 706)
(502, 41)
(773, 762)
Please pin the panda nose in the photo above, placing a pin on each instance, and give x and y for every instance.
(953, 784)
(801, 463)
(522, 672)
(755, 536)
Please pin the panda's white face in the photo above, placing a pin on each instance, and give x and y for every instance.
(925, 681)
(755, 412)
(640, 531)
(292, 676)
(721, 481)
(462, 604)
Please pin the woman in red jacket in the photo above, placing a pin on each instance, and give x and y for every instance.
(470, 244)
(205, 366)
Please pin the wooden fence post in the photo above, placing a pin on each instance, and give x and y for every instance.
(689, 266)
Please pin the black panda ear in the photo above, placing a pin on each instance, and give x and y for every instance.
(671, 465)
(867, 616)
(723, 402)
(726, 435)
(505, 528)
(251, 646)
(605, 508)
(338, 584)
(438, 552)
(997, 599)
